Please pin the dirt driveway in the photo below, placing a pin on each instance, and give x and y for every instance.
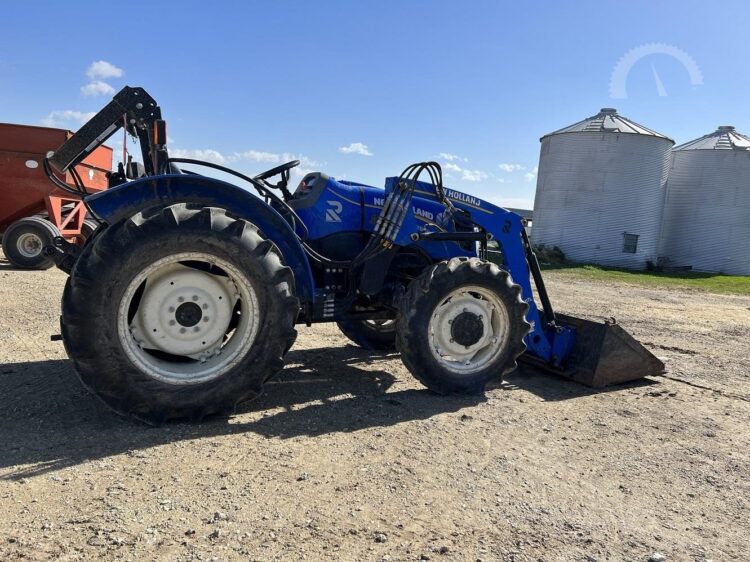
(346, 457)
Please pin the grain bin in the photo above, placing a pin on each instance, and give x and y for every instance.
(707, 208)
(600, 191)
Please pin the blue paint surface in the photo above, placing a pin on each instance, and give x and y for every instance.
(350, 207)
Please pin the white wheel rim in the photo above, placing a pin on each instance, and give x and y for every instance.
(175, 318)
(29, 245)
(481, 305)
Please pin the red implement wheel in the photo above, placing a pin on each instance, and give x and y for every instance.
(24, 242)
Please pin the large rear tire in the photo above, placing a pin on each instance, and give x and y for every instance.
(178, 313)
(462, 324)
(24, 242)
(373, 335)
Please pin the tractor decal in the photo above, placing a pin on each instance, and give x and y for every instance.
(457, 196)
(420, 214)
(333, 212)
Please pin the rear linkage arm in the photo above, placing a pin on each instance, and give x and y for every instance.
(132, 108)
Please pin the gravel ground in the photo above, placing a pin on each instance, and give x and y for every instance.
(346, 457)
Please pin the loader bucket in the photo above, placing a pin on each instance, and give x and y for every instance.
(604, 354)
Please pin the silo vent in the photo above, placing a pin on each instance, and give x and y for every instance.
(725, 128)
(608, 111)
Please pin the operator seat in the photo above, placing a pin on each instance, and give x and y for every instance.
(308, 191)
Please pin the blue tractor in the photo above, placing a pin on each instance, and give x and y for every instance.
(184, 301)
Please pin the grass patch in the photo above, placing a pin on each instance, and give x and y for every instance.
(711, 282)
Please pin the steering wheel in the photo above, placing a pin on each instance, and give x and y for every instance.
(277, 170)
(283, 182)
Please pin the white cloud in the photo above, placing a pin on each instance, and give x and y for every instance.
(306, 164)
(304, 160)
(256, 156)
(271, 159)
(473, 175)
(102, 69)
(356, 148)
(531, 176)
(510, 167)
(97, 88)
(66, 118)
(466, 175)
(452, 157)
(98, 72)
(207, 154)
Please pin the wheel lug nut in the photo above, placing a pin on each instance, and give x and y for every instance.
(180, 299)
(205, 318)
(171, 309)
(205, 306)
(172, 322)
(196, 329)
(195, 297)
(183, 330)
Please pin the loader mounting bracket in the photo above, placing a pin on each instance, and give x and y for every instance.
(63, 253)
(132, 108)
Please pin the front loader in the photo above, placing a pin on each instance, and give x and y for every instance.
(185, 300)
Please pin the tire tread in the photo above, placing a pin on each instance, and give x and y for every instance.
(87, 342)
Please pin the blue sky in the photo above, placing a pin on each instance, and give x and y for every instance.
(361, 89)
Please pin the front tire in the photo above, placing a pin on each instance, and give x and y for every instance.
(178, 313)
(462, 324)
(373, 335)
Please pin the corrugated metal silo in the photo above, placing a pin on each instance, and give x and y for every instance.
(600, 191)
(707, 208)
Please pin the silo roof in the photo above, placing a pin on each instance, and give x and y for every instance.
(608, 121)
(723, 138)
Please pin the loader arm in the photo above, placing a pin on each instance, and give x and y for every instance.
(548, 340)
(593, 353)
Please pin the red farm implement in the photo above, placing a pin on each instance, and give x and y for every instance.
(32, 210)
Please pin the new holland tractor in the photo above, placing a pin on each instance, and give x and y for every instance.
(184, 301)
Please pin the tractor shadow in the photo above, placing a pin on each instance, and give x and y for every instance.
(553, 388)
(7, 266)
(48, 421)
